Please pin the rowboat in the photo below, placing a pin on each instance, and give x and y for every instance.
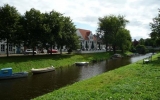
(42, 70)
(6, 73)
(81, 63)
(116, 56)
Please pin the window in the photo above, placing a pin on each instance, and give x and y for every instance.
(10, 47)
(2, 47)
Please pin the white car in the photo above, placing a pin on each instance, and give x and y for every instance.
(30, 51)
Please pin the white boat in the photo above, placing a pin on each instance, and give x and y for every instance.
(42, 70)
(6, 73)
(81, 63)
(116, 56)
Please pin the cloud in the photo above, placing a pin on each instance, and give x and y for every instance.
(87, 12)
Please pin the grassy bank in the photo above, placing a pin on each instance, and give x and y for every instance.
(135, 81)
(25, 63)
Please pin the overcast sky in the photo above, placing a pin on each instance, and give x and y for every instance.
(85, 13)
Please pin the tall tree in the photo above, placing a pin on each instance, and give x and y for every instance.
(124, 40)
(155, 28)
(54, 27)
(108, 27)
(135, 43)
(9, 17)
(67, 35)
(33, 26)
(141, 41)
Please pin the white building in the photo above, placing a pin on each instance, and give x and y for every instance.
(12, 49)
(87, 40)
(3, 48)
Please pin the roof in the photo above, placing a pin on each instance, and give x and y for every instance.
(85, 33)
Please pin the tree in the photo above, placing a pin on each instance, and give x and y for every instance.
(53, 23)
(67, 36)
(135, 43)
(141, 49)
(141, 41)
(149, 42)
(155, 28)
(9, 17)
(124, 40)
(108, 28)
(33, 26)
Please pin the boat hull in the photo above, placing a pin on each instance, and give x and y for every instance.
(42, 70)
(15, 75)
(81, 63)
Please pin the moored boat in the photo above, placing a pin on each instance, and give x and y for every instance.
(116, 56)
(81, 63)
(6, 73)
(42, 70)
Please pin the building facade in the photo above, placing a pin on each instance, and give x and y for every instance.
(88, 41)
(12, 49)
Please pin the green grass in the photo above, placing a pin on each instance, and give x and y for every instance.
(25, 63)
(136, 81)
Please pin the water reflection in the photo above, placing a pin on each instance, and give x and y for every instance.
(36, 85)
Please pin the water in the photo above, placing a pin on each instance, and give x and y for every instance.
(36, 85)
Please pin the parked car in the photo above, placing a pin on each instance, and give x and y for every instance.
(53, 51)
(30, 51)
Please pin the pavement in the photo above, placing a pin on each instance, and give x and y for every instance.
(5, 55)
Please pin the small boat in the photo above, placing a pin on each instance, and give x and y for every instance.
(116, 56)
(6, 73)
(81, 63)
(42, 70)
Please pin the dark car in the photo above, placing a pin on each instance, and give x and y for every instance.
(53, 51)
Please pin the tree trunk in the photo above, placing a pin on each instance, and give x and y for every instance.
(106, 47)
(33, 50)
(51, 48)
(61, 50)
(114, 49)
(7, 48)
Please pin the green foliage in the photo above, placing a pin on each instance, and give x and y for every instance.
(150, 42)
(123, 39)
(36, 29)
(32, 24)
(68, 34)
(53, 27)
(155, 27)
(141, 49)
(108, 28)
(9, 17)
(141, 41)
(133, 49)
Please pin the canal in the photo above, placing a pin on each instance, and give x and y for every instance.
(36, 85)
